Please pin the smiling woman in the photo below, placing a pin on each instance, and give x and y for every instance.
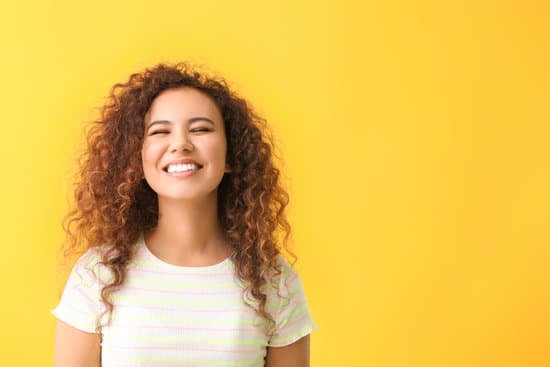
(184, 137)
(181, 214)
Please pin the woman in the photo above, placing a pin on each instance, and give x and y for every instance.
(181, 213)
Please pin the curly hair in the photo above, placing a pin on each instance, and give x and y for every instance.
(113, 204)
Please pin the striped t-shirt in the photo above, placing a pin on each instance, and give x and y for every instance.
(168, 315)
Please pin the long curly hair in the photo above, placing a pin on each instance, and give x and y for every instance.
(113, 204)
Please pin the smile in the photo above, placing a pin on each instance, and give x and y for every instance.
(185, 167)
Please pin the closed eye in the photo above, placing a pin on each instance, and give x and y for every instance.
(200, 129)
(159, 132)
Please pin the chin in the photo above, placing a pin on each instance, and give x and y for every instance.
(186, 196)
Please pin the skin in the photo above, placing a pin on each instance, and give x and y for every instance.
(181, 124)
(74, 347)
(292, 355)
(186, 124)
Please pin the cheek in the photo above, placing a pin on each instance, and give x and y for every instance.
(214, 149)
(221, 153)
(148, 155)
(221, 148)
(144, 155)
(149, 163)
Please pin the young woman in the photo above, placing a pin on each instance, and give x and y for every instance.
(180, 211)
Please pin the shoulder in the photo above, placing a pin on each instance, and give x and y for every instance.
(91, 258)
(91, 255)
(285, 265)
(287, 270)
(290, 309)
(284, 278)
(89, 265)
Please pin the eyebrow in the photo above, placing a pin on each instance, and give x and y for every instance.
(190, 121)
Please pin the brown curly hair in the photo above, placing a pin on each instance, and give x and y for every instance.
(113, 204)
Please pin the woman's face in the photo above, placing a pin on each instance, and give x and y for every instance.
(184, 147)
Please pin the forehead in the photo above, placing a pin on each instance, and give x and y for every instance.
(182, 103)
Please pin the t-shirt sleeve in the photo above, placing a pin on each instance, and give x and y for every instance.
(292, 318)
(80, 305)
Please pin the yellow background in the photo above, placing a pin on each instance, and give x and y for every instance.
(415, 137)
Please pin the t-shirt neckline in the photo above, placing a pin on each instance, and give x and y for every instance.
(148, 255)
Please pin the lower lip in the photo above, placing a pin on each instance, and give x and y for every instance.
(182, 174)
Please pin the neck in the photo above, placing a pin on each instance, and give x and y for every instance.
(188, 233)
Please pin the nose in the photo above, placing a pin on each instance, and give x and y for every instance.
(181, 143)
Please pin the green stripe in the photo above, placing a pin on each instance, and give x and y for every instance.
(203, 341)
(151, 265)
(157, 301)
(303, 331)
(245, 320)
(180, 284)
(258, 361)
(296, 313)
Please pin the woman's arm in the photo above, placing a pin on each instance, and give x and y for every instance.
(75, 348)
(292, 355)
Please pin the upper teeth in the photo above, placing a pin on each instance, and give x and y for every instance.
(182, 167)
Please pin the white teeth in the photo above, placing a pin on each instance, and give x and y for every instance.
(176, 168)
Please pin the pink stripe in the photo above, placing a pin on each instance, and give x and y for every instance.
(81, 290)
(179, 327)
(75, 308)
(182, 291)
(295, 277)
(183, 348)
(295, 321)
(243, 309)
(289, 283)
(176, 364)
(142, 270)
(165, 365)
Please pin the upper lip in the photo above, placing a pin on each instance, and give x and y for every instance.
(181, 161)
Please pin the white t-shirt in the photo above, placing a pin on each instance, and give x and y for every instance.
(168, 315)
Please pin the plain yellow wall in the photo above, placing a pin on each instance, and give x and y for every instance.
(415, 137)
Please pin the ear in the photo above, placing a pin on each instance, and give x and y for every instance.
(227, 168)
